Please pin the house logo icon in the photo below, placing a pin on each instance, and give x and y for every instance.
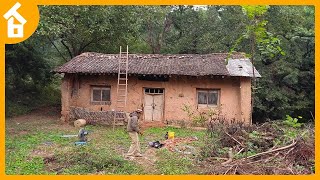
(15, 30)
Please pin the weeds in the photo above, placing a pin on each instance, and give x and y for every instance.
(269, 148)
(197, 117)
(173, 164)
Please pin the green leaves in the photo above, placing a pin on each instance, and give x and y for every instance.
(292, 122)
(76, 29)
(254, 12)
(267, 43)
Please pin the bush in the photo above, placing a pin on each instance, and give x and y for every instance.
(292, 122)
(20, 102)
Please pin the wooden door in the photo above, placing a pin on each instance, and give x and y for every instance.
(153, 107)
(157, 107)
(148, 107)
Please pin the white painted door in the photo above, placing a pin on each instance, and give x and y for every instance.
(158, 107)
(153, 108)
(148, 108)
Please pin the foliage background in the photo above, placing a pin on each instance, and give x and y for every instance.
(287, 83)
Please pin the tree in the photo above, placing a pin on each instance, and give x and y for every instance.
(155, 22)
(83, 28)
(287, 85)
(256, 33)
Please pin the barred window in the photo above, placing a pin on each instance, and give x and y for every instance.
(100, 94)
(208, 97)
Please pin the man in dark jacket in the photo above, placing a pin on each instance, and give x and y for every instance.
(133, 130)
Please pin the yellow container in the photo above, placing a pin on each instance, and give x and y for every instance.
(170, 135)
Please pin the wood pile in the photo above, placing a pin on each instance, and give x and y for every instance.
(264, 149)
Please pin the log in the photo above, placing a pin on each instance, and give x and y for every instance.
(80, 123)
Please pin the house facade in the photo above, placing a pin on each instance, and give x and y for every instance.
(162, 85)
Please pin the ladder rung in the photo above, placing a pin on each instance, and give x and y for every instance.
(122, 84)
(122, 95)
(123, 79)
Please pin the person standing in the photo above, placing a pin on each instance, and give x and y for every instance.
(133, 130)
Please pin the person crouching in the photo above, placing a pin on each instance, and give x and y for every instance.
(133, 130)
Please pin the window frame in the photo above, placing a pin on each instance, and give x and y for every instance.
(207, 91)
(101, 88)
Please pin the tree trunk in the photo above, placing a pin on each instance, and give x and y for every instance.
(253, 82)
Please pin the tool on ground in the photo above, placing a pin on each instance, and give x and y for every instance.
(156, 144)
(82, 135)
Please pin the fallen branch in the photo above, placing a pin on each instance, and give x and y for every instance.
(234, 139)
(230, 154)
(216, 158)
(240, 151)
(271, 158)
(228, 170)
(279, 149)
(289, 151)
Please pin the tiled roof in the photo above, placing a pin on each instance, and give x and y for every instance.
(155, 64)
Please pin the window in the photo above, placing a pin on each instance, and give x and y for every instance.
(100, 95)
(208, 97)
(153, 91)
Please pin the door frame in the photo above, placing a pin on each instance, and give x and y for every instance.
(163, 98)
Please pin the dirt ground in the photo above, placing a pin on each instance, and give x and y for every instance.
(46, 120)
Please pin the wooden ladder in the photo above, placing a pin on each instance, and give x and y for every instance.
(122, 88)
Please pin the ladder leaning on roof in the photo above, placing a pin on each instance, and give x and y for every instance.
(122, 89)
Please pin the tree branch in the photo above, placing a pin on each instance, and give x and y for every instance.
(68, 49)
(57, 49)
(91, 42)
(271, 151)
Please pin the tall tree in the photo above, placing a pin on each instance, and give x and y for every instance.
(287, 86)
(256, 33)
(155, 22)
(81, 28)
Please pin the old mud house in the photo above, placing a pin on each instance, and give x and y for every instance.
(160, 84)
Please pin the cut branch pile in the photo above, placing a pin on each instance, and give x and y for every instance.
(269, 148)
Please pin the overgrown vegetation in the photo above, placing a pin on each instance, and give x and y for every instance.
(197, 117)
(34, 146)
(276, 147)
(29, 83)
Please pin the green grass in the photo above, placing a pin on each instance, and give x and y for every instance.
(34, 146)
(171, 164)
